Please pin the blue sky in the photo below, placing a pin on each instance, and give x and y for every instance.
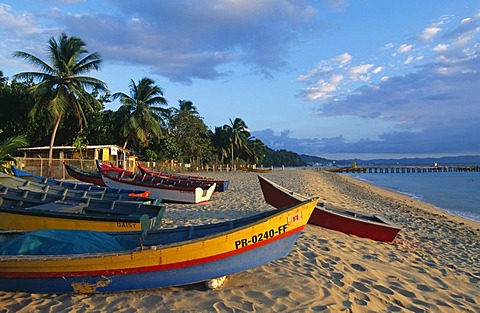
(336, 79)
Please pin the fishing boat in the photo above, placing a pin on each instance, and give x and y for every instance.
(167, 191)
(19, 197)
(54, 192)
(84, 176)
(168, 180)
(222, 185)
(114, 217)
(150, 259)
(55, 183)
(374, 227)
(255, 170)
(260, 170)
(31, 210)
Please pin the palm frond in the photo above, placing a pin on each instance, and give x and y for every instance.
(12, 144)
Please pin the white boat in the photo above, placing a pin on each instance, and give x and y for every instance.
(158, 190)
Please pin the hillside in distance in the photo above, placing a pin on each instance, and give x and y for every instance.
(457, 160)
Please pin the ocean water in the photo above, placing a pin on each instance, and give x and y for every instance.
(455, 192)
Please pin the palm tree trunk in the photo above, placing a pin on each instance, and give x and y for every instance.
(50, 150)
(125, 144)
(232, 157)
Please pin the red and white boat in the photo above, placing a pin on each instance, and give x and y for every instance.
(349, 222)
(166, 191)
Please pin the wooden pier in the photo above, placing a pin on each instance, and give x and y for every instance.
(404, 169)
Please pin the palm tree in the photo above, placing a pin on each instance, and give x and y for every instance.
(191, 133)
(187, 106)
(7, 147)
(220, 142)
(61, 85)
(238, 134)
(3, 79)
(144, 118)
(253, 152)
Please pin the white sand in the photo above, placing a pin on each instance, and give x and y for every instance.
(432, 266)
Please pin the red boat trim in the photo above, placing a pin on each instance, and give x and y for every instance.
(156, 267)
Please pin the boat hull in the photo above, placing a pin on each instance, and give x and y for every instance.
(25, 219)
(185, 262)
(348, 222)
(160, 277)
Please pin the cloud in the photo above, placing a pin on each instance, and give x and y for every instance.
(430, 141)
(412, 58)
(14, 24)
(325, 68)
(360, 72)
(323, 88)
(404, 48)
(432, 102)
(430, 32)
(334, 75)
(195, 43)
(343, 59)
(441, 47)
(11, 20)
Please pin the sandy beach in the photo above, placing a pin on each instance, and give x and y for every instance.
(432, 266)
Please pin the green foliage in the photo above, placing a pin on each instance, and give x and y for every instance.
(283, 157)
(150, 155)
(80, 143)
(61, 86)
(144, 119)
(191, 134)
(9, 147)
(16, 103)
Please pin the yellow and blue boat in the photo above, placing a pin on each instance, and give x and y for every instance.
(153, 259)
(111, 217)
(22, 209)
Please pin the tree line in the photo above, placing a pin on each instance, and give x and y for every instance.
(59, 105)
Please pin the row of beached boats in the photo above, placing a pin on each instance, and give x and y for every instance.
(64, 237)
(168, 187)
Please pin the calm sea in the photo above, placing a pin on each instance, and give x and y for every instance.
(456, 192)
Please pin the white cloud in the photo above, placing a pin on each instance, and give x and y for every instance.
(404, 48)
(357, 72)
(429, 33)
(463, 39)
(440, 48)
(388, 46)
(323, 88)
(325, 68)
(377, 70)
(343, 59)
(412, 58)
(16, 22)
